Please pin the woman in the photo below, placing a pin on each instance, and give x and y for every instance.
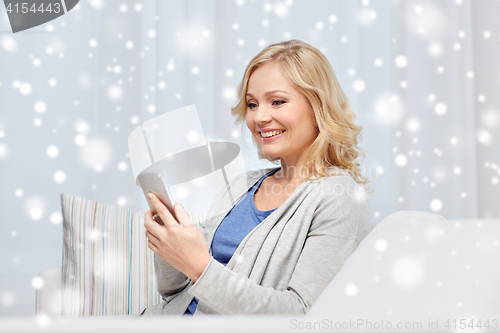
(295, 225)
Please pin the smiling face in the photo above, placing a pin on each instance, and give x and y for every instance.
(274, 106)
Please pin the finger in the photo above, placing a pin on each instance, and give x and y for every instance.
(157, 219)
(153, 247)
(152, 238)
(182, 215)
(151, 214)
(148, 218)
(151, 224)
(163, 211)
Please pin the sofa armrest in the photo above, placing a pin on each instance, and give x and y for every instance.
(49, 296)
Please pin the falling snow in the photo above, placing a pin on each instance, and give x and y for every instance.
(407, 272)
(426, 115)
(351, 289)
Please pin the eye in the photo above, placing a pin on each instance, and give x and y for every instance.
(251, 105)
(278, 102)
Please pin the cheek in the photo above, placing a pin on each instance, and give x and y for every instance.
(249, 122)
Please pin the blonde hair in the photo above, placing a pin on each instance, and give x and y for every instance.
(311, 74)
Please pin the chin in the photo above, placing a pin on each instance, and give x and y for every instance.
(270, 154)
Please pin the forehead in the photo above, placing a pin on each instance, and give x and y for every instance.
(267, 76)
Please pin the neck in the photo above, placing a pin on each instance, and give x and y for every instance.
(291, 173)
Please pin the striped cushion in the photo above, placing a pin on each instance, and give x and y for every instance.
(107, 265)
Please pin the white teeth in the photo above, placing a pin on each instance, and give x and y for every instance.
(269, 134)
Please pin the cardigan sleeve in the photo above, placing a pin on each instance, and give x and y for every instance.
(170, 280)
(337, 227)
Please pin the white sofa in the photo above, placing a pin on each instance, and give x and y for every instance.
(413, 267)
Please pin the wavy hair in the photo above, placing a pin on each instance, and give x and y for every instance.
(309, 72)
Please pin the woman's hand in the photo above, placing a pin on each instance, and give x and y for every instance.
(179, 242)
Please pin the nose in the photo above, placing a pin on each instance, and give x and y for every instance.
(262, 115)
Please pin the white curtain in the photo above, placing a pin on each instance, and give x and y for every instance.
(423, 77)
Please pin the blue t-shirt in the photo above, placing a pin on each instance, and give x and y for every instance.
(242, 219)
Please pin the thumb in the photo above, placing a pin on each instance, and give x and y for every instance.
(182, 215)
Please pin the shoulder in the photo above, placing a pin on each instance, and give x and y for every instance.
(340, 185)
(341, 206)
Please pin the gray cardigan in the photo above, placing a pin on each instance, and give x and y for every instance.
(284, 263)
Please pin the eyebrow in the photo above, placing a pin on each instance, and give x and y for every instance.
(270, 93)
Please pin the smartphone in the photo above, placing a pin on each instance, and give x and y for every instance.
(155, 182)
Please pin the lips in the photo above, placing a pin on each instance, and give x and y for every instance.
(271, 138)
